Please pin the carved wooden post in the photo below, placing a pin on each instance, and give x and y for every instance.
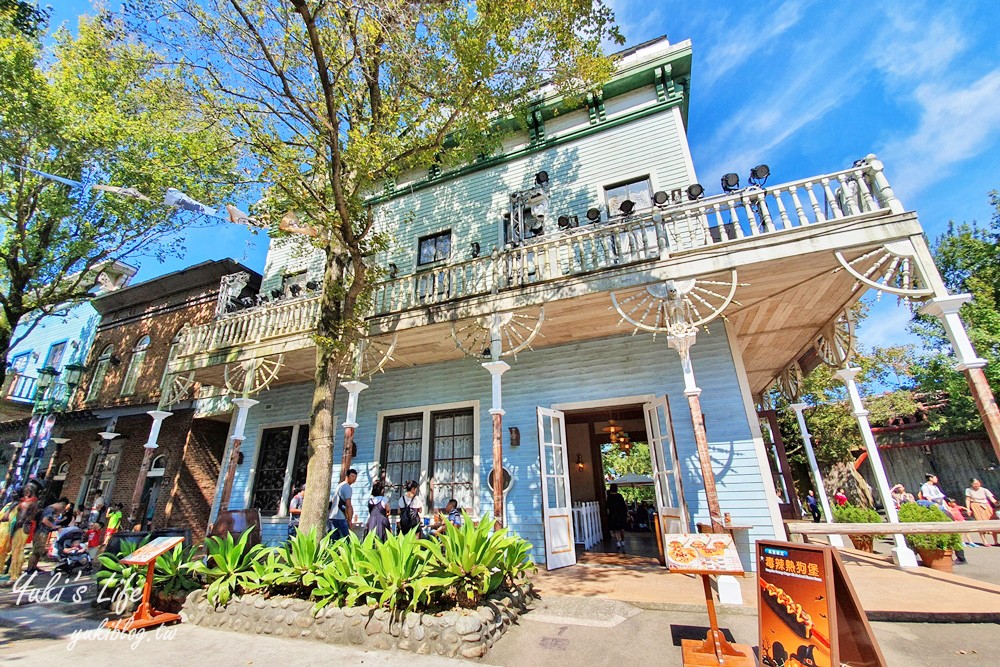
(353, 388)
(682, 342)
(497, 369)
(243, 406)
(147, 459)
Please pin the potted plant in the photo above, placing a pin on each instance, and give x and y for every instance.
(853, 514)
(935, 549)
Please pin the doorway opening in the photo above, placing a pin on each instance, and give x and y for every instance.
(605, 445)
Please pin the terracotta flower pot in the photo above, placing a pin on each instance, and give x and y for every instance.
(863, 543)
(936, 559)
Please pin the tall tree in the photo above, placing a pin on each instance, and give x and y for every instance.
(968, 256)
(89, 109)
(24, 16)
(331, 99)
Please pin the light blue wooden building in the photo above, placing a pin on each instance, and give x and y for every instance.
(584, 236)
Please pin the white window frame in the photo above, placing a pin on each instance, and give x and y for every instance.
(106, 490)
(135, 362)
(155, 471)
(100, 373)
(425, 444)
(286, 488)
(622, 179)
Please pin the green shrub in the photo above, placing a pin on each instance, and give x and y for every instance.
(292, 568)
(332, 582)
(914, 513)
(473, 560)
(170, 577)
(395, 574)
(853, 514)
(114, 575)
(231, 566)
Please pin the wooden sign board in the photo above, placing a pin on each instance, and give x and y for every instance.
(702, 553)
(145, 616)
(808, 611)
(149, 552)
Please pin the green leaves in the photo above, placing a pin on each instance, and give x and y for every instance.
(227, 567)
(169, 574)
(914, 513)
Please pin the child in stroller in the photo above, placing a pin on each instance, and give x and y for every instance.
(71, 551)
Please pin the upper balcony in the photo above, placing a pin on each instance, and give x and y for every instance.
(752, 228)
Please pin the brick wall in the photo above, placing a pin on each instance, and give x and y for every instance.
(193, 451)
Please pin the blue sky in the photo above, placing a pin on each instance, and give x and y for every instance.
(806, 87)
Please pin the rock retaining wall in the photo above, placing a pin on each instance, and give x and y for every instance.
(461, 632)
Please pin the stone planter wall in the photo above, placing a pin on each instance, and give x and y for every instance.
(461, 632)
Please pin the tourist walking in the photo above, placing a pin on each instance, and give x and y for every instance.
(813, 506)
(27, 508)
(50, 519)
(617, 516)
(96, 507)
(8, 517)
(378, 512)
(981, 503)
(342, 513)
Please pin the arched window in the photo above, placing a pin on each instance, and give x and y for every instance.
(158, 466)
(135, 366)
(100, 370)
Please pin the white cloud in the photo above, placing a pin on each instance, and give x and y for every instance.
(740, 40)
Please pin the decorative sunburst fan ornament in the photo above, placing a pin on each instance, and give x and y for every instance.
(675, 306)
(516, 331)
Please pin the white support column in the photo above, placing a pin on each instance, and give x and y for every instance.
(835, 540)
(496, 369)
(901, 554)
(154, 430)
(946, 308)
(243, 406)
(354, 388)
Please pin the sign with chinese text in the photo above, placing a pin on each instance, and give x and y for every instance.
(702, 553)
(807, 609)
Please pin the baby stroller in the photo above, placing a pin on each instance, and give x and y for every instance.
(70, 562)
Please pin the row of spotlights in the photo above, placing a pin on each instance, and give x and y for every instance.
(758, 176)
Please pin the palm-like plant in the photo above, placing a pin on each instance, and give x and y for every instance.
(333, 581)
(170, 577)
(113, 574)
(395, 574)
(471, 558)
(231, 566)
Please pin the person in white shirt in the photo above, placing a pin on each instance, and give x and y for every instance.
(342, 511)
(932, 493)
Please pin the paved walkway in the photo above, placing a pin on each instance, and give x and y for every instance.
(886, 591)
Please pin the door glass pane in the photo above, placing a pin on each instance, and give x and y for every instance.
(301, 457)
(557, 461)
(556, 432)
(550, 486)
(561, 491)
(549, 460)
(451, 458)
(546, 430)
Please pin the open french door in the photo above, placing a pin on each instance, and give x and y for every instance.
(557, 511)
(670, 506)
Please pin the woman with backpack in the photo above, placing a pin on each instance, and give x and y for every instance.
(378, 512)
(410, 507)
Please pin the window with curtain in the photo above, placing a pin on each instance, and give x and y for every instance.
(451, 458)
(401, 451)
(272, 466)
(135, 366)
(100, 371)
(637, 191)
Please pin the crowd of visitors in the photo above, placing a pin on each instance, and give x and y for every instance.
(27, 527)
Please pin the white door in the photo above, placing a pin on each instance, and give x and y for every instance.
(557, 511)
(666, 467)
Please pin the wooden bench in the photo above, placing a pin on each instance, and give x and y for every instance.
(959, 527)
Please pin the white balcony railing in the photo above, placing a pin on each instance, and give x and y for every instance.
(750, 213)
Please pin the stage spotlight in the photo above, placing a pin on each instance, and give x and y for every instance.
(393, 270)
(626, 207)
(759, 174)
(312, 285)
(295, 289)
(695, 191)
(730, 182)
(661, 198)
(541, 178)
(476, 248)
(593, 214)
(277, 294)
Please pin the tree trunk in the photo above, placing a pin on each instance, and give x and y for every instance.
(319, 472)
(6, 334)
(843, 475)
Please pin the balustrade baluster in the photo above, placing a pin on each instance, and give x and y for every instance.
(734, 220)
(817, 209)
(851, 195)
(764, 211)
(751, 217)
(834, 206)
(868, 201)
(786, 223)
(797, 203)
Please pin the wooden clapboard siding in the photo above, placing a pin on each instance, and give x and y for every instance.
(589, 370)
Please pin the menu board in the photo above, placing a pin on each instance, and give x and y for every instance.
(702, 553)
(808, 611)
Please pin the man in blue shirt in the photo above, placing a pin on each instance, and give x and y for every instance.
(342, 512)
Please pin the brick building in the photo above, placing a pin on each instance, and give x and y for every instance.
(125, 380)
